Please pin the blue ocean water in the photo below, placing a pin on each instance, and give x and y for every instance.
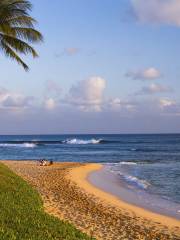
(147, 162)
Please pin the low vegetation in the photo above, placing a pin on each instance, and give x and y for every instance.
(22, 215)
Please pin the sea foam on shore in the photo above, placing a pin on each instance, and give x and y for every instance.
(111, 178)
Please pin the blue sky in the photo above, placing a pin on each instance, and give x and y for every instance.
(104, 67)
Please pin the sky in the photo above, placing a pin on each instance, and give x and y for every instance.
(104, 67)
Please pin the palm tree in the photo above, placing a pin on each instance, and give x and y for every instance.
(17, 30)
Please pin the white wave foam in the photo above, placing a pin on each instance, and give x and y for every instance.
(23, 145)
(118, 169)
(134, 180)
(82, 142)
(29, 145)
(128, 163)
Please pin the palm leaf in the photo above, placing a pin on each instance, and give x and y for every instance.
(29, 34)
(12, 54)
(17, 29)
(19, 21)
(18, 45)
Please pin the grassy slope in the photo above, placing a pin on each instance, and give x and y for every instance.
(22, 215)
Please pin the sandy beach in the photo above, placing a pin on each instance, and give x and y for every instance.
(67, 194)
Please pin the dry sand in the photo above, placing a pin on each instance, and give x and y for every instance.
(68, 195)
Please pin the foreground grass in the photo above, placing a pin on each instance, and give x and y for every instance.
(22, 216)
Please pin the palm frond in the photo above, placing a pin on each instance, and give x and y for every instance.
(22, 5)
(19, 21)
(29, 34)
(19, 45)
(26, 33)
(12, 54)
(17, 29)
(9, 8)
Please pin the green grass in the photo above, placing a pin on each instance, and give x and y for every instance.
(22, 215)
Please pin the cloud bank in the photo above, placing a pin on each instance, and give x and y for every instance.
(14, 101)
(86, 108)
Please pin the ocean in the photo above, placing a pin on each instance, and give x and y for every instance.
(146, 163)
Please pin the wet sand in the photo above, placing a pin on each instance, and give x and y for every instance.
(112, 183)
(68, 195)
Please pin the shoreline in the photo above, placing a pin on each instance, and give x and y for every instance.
(109, 182)
(81, 177)
(68, 195)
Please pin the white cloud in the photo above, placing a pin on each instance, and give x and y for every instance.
(86, 103)
(13, 101)
(52, 95)
(154, 88)
(166, 102)
(170, 107)
(145, 74)
(87, 94)
(117, 104)
(50, 104)
(157, 11)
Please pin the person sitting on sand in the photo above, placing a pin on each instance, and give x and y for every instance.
(44, 162)
(51, 162)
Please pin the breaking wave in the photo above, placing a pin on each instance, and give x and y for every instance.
(135, 181)
(128, 163)
(32, 144)
(118, 169)
(82, 142)
(23, 145)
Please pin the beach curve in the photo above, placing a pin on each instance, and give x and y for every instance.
(68, 195)
(80, 176)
